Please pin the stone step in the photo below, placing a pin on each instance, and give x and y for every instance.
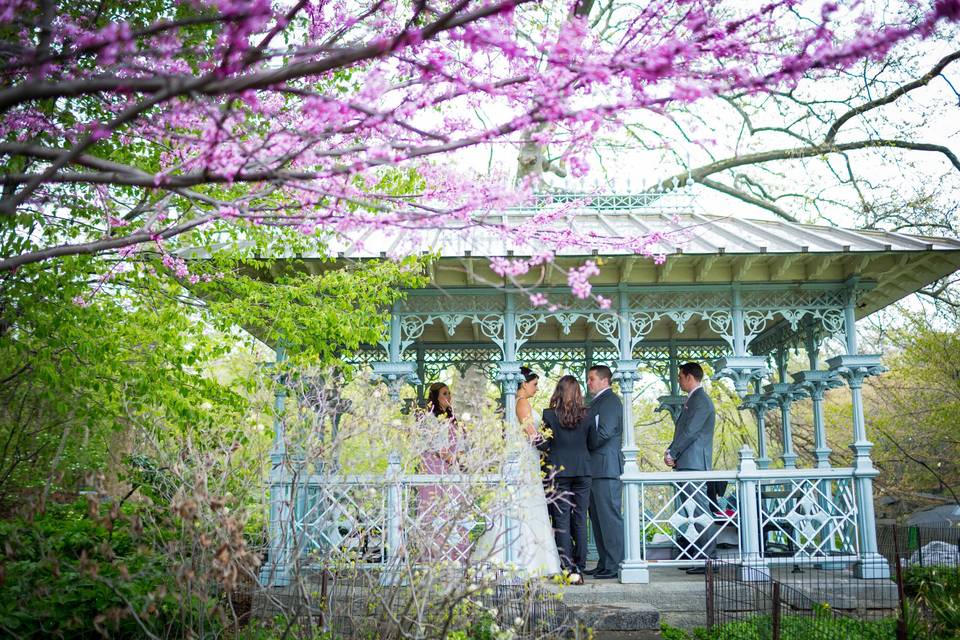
(620, 617)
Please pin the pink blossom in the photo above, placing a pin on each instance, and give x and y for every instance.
(538, 299)
(578, 278)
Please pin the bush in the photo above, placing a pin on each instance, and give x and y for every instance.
(81, 571)
(936, 591)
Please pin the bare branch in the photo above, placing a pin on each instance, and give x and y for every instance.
(890, 97)
(748, 198)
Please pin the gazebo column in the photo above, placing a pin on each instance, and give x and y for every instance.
(395, 372)
(276, 572)
(758, 404)
(817, 382)
(784, 393)
(741, 368)
(421, 372)
(855, 369)
(673, 402)
(509, 374)
(633, 569)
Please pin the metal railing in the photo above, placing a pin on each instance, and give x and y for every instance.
(759, 517)
(382, 520)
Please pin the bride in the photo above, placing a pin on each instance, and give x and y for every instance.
(535, 549)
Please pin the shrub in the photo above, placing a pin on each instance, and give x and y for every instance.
(936, 591)
(84, 570)
(80, 570)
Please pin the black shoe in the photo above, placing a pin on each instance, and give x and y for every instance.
(605, 576)
(595, 570)
(696, 571)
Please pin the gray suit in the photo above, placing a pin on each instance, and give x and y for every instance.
(604, 440)
(692, 449)
(692, 446)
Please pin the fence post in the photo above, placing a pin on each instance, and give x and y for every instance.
(753, 567)
(393, 521)
(711, 611)
(775, 613)
(901, 597)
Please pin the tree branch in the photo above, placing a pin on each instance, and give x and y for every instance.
(211, 86)
(700, 173)
(105, 244)
(748, 198)
(890, 97)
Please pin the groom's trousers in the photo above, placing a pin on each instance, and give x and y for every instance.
(568, 509)
(606, 519)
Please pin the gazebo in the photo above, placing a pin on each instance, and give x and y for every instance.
(734, 292)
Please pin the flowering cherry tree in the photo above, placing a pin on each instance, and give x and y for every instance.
(126, 125)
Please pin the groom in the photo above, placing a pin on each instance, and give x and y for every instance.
(605, 422)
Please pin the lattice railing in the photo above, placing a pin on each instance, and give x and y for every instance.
(808, 517)
(769, 516)
(683, 520)
(390, 518)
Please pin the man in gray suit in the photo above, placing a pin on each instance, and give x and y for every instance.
(605, 421)
(692, 450)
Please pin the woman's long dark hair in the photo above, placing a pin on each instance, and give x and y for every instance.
(567, 401)
(433, 401)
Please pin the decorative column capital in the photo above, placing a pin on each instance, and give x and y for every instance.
(855, 368)
(758, 403)
(783, 394)
(742, 370)
(626, 374)
(817, 382)
(671, 404)
(509, 372)
(395, 374)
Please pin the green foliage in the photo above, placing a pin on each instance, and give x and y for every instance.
(936, 590)
(801, 628)
(668, 632)
(73, 572)
(915, 404)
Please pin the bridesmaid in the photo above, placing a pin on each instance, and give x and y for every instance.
(440, 507)
(569, 461)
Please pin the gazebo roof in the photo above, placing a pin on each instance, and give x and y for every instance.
(703, 252)
(700, 249)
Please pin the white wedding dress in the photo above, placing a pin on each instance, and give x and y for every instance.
(535, 550)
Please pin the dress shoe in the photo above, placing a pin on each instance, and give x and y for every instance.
(605, 576)
(696, 571)
(595, 570)
(575, 578)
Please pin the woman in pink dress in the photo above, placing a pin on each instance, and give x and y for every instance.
(442, 509)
